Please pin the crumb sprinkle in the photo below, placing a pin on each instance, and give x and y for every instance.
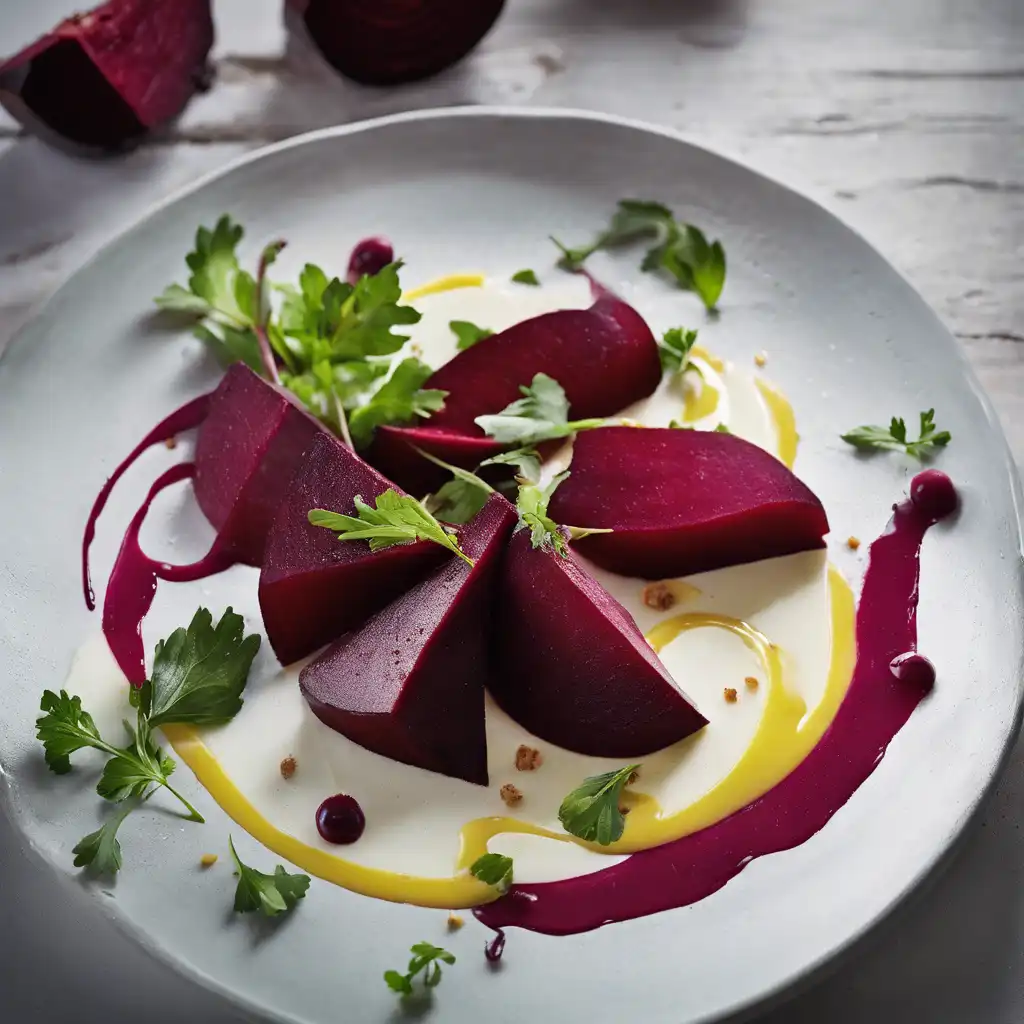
(853, 543)
(659, 596)
(288, 766)
(761, 358)
(510, 794)
(730, 695)
(208, 860)
(455, 922)
(752, 683)
(528, 759)
(171, 442)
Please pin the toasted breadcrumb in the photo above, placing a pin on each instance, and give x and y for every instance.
(208, 860)
(455, 922)
(659, 596)
(853, 543)
(761, 358)
(730, 695)
(633, 776)
(751, 682)
(288, 766)
(171, 442)
(510, 794)
(528, 759)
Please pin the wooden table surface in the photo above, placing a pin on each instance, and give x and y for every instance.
(905, 117)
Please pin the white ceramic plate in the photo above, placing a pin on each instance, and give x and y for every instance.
(848, 341)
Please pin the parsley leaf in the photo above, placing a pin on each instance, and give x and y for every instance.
(272, 894)
(426, 957)
(894, 438)
(526, 460)
(468, 333)
(493, 869)
(460, 498)
(400, 399)
(199, 673)
(540, 415)
(65, 728)
(591, 811)
(532, 505)
(678, 249)
(674, 349)
(396, 519)
(525, 277)
(100, 850)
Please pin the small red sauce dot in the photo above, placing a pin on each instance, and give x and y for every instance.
(914, 669)
(340, 819)
(933, 494)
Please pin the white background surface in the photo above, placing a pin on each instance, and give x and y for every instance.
(906, 118)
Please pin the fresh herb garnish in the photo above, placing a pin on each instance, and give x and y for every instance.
(198, 677)
(525, 277)
(532, 505)
(894, 438)
(458, 500)
(272, 894)
(722, 428)
(493, 869)
(468, 333)
(674, 349)
(396, 519)
(400, 399)
(426, 957)
(526, 460)
(678, 249)
(540, 415)
(591, 811)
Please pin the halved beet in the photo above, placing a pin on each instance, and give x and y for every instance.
(103, 78)
(247, 452)
(571, 665)
(410, 683)
(683, 501)
(605, 358)
(314, 587)
(385, 42)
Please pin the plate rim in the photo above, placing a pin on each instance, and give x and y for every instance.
(814, 970)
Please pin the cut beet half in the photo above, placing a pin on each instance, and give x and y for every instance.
(571, 665)
(247, 452)
(683, 501)
(605, 358)
(314, 587)
(386, 42)
(410, 683)
(101, 79)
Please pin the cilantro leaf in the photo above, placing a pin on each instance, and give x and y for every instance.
(591, 811)
(526, 460)
(532, 505)
(540, 415)
(493, 869)
(272, 894)
(894, 438)
(199, 673)
(101, 850)
(400, 399)
(65, 728)
(396, 519)
(674, 349)
(468, 333)
(525, 277)
(460, 498)
(426, 957)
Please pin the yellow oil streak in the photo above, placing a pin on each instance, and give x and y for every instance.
(449, 283)
(701, 399)
(782, 416)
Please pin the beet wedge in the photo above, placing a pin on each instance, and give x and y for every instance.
(314, 587)
(605, 358)
(683, 501)
(103, 78)
(409, 684)
(247, 452)
(571, 665)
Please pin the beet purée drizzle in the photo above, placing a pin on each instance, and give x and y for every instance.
(877, 705)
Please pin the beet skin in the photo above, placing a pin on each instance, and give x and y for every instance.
(103, 78)
(410, 683)
(314, 587)
(605, 358)
(683, 501)
(570, 664)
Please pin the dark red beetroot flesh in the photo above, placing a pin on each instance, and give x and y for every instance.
(385, 42)
(571, 665)
(247, 452)
(410, 683)
(605, 358)
(683, 501)
(103, 78)
(314, 587)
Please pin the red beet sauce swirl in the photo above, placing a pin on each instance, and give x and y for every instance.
(880, 699)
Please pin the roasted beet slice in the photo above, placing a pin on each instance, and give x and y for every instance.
(605, 358)
(410, 683)
(103, 78)
(571, 665)
(247, 452)
(314, 587)
(683, 501)
(385, 42)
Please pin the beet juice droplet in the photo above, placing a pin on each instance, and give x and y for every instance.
(495, 947)
(914, 669)
(370, 256)
(933, 494)
(340, 819)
